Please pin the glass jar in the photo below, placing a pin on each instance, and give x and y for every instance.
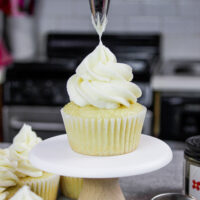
(192, 167)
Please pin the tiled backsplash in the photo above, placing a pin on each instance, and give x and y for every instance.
(177, 20)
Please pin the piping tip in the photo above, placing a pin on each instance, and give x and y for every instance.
(99, 10)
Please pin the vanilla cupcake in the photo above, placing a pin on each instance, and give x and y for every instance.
(71, 187)
(42, 183)
(103, 117)
(8, 178)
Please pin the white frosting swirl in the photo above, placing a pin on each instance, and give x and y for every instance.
(102, 82)
(25, 194)
(7, 171)
(23, 142)
(3, 195)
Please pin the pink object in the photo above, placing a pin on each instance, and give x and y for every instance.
(15, 4)
(5, 57)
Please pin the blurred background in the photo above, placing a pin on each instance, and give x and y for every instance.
(42, 43)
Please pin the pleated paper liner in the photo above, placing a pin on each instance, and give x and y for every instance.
(104, 137)
(45, 186)
(71, 187)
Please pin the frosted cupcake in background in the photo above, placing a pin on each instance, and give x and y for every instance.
(42, 183)
(25, 193)
(103, 117)
(8, 178)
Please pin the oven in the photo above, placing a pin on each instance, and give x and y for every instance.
(179, 115)
(45, 121)
(34, 93)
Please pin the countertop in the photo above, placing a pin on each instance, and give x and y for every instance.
(175, 83)
(144, 187)
(177, 75)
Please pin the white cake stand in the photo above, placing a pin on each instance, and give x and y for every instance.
(100, 174)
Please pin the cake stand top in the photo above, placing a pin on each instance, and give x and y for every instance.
(54, 155)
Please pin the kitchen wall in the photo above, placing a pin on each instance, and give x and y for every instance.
(178, 20)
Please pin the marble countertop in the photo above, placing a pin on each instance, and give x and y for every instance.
(144, 187)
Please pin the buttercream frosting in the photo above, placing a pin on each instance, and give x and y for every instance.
(7, 171)
(103, 82)
(23, 142)
(25, 194)
(3, 194)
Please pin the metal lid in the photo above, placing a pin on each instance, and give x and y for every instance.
(193, 147)
(173, 196)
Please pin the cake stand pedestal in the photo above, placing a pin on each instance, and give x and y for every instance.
(100, 174)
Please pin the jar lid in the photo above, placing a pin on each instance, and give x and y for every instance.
(193, 147)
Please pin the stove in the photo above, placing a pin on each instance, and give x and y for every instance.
(35, 91)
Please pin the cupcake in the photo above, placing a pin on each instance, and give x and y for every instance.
(8, 178)
(71, 187)
(103, 117)
(42, 183)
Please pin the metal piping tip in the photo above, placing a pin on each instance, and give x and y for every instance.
(99, 10)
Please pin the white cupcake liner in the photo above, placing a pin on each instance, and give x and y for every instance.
(99, 137)
(45, 186)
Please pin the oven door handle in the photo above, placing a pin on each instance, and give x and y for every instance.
(38, 126)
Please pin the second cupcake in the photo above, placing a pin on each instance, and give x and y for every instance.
(42, 183)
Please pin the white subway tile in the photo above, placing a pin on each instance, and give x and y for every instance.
(56, 7)
(125, 8)
(116, 24)
(181, 46)
(180, 25)
(75, 24)
(47, 25)
(80, 8)
(189, 7)
(144, 24)
(160, 7)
